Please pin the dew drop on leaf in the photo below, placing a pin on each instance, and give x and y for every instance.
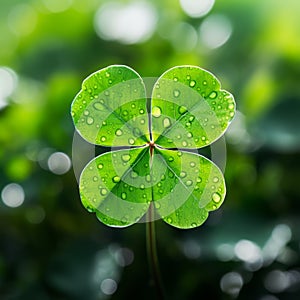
(184, 143)
(199, 179)
(169, 220)
(192, 164)
(212, 95)
(142, 111)
(103, 192)
(166, 122)
(131, 141)
(216, 197)
(192, 83)
(123, 195)
(116, 179)
(189, 182)
(103, 138)
(182, 109)
(126, 157)
(231, 106)
(182, 174)
(86, 112)
(170, 159)
(216, 179)
(100, 166)
(90, 120)
(156, 111)
(176, 93)
(134, 174)
(119, 132)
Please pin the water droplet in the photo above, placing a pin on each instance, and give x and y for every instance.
(166, 122)
(192, 164)
(103, 192)
(199, 179)
(179, 153)
(204, 82)
(182, 174)
(189, 135)
(95, 178)
(131, 188)
(142, 121)
(184, 143)
(131, 141)
(142, 111)
(116, 179)
(148, 178)
(188, 124)
(169, 220)
(213, 95)
(123, 195)
(110, 81)
(171, 158)
(142, 186)
(192, 83)
(86, 112)
(231, 114)
(134, 174)
(203, 138)
(191, 118)
(178, 136)
(182, 109)
(125, 113)
(156, 111)
(132, 105)
(107, 74)
(175, 79)
(176, 93)
(194, 224)
(231, 106)
(161, 191)
(163, 177)
(159, 184)
(157, 205)
(188, 77)
(126, 157)
(119, 132)
(103, 138)
(171, 174)
(104, 123)
(216, 197)
(100, 166)
(216, 179)
(189, 182)
(90, 120)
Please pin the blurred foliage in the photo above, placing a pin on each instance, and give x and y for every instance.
(51, 248)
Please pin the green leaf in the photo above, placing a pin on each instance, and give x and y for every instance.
(189, 108)
(111, 108)
(189, 186)
(189, 111)
(117, 186)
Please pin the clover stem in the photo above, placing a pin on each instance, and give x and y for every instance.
(152, 253)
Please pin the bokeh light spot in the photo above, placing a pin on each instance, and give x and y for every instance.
(13, 195)
(231, 283)
(215, 31)
(108, 286)
(128, 24)
(8, 83)
(196, 8)
(59, 163)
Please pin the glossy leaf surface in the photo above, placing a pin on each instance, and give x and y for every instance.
(110, 109)
(189, 110)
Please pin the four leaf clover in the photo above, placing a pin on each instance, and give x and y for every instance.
(153, 158)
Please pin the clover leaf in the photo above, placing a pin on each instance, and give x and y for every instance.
(158, 163)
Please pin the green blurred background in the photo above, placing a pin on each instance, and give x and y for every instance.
(51, 247)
